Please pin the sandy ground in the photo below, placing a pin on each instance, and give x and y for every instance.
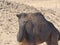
(9, 22)
(46, 4)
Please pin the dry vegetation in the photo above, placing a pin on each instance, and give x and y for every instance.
(9, 22)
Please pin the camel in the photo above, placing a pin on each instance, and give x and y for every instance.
(34, 29)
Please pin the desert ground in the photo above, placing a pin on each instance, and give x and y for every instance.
(9, 22)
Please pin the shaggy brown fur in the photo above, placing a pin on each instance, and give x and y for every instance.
(35, 29)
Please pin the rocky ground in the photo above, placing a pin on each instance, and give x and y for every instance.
(9, 21)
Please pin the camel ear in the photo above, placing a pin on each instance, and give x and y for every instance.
(21, 14)
(18, 15)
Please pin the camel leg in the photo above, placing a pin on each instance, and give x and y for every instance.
(54, 41)
(54, 38)
(49, 40)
